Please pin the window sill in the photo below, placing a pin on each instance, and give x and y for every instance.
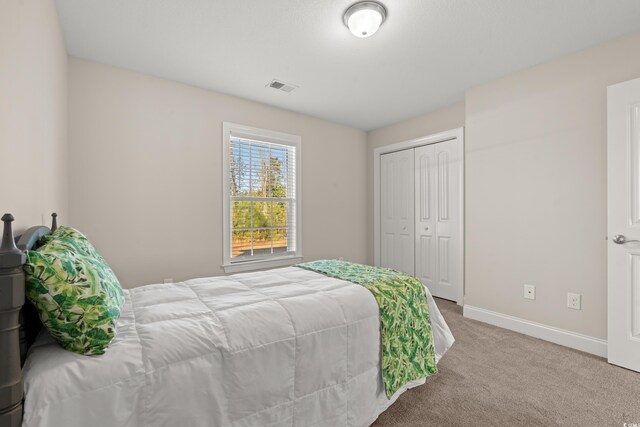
(261, 264)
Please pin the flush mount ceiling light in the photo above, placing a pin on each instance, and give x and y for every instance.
(364, 18)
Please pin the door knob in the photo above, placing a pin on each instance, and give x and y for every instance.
(426, 229)
(619, 239)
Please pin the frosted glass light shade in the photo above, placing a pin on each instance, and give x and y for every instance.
(363, 19)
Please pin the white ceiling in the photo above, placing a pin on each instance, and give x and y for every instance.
(424, 56)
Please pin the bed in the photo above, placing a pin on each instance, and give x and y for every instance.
(285, 347)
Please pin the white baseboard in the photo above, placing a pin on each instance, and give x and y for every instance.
(559, 336)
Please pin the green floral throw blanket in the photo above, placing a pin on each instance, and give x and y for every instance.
(405, 329)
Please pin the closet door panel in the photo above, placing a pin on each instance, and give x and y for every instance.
(425, 211)
(397, 211)
(387, 177)
(447, 221)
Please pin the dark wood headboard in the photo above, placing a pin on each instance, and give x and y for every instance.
(19, 323)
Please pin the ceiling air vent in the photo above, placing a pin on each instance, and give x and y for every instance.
(280, 85)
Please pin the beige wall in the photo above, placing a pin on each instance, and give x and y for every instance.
(438, 121)
(145, 173)
(33, 112)
(536, 181)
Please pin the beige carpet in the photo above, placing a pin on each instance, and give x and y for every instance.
(495, 377)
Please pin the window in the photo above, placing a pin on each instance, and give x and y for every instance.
(261, 198)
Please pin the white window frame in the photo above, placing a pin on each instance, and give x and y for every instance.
(241, 131)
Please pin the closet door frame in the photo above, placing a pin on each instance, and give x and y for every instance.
(449, 135)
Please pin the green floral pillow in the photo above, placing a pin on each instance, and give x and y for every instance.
(72, 238)
(74, 291)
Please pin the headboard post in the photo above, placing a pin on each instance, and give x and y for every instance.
(54, 222)
(11, 301)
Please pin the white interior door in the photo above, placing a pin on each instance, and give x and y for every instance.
(623, 170)
(438, 218)
(396, 214)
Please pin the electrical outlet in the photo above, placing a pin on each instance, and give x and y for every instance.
(574, 301)
(529, 292)
(168, 280)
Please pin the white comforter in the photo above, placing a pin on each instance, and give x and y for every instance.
(286, 347)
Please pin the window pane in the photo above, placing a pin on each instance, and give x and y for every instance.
(241, 186)
(280, 214)
(260, 168)
(254, 178)
(277, 178)
(241, 243)
(262, 242)
(241, 214)
(262, 214)
(280, 240)
(239, 168)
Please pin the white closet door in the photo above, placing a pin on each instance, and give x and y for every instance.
(397, 211)
(438, 218)
(425, 211)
